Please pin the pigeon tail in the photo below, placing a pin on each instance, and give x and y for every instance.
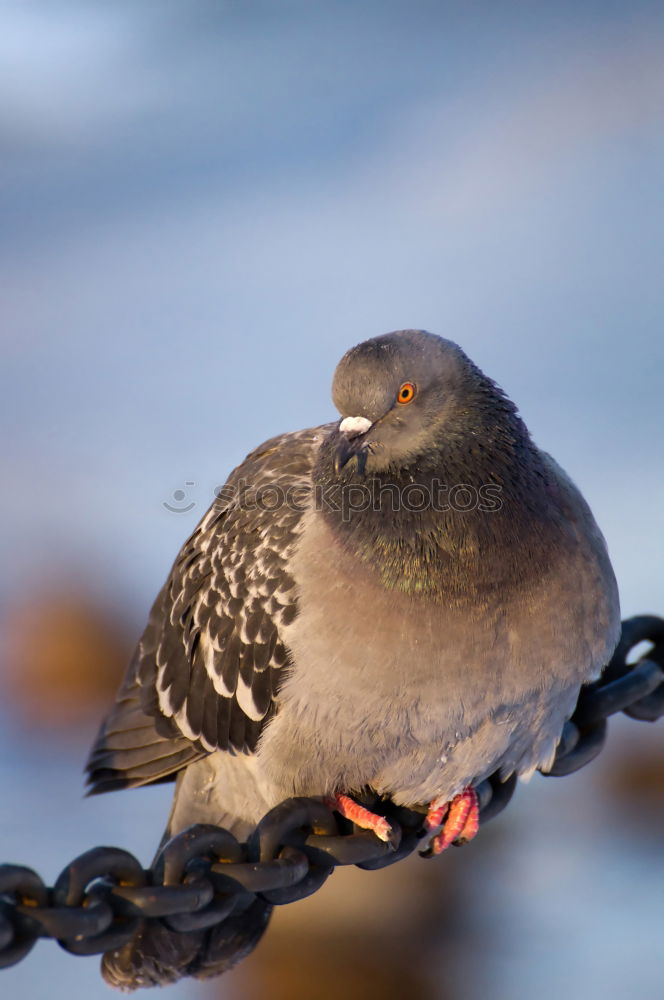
(159, 956)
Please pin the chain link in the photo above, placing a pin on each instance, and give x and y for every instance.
(204, 874)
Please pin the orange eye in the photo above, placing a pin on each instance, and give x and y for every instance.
(406, 393)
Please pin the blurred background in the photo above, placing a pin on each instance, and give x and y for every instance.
(204, 204)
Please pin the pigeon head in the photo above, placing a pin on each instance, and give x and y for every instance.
(398, 395)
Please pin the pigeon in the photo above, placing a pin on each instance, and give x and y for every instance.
(407, 600)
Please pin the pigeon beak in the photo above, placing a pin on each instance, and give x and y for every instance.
(352, 443)
(348, 450)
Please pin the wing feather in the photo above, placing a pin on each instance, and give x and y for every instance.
(210, 663)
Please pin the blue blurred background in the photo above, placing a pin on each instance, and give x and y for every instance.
(204, 204)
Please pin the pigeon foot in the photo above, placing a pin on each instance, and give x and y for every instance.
(458, 821)
(359, 815)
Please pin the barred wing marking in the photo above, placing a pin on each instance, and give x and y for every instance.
(209, 665)
(211, 659)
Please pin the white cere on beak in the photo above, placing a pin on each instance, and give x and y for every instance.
(352, 426)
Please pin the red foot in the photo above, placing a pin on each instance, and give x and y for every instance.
(357, 814)
(460, 820)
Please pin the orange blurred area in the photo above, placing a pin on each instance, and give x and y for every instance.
(631, 776)
(64, 658)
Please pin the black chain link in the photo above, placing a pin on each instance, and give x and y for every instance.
(203, 874)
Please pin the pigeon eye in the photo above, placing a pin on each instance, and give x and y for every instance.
(406, 393)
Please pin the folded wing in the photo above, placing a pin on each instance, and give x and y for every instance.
(208, 668)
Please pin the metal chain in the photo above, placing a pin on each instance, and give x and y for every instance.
(203, 874)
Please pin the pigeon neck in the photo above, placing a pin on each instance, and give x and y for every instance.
(472, 513)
